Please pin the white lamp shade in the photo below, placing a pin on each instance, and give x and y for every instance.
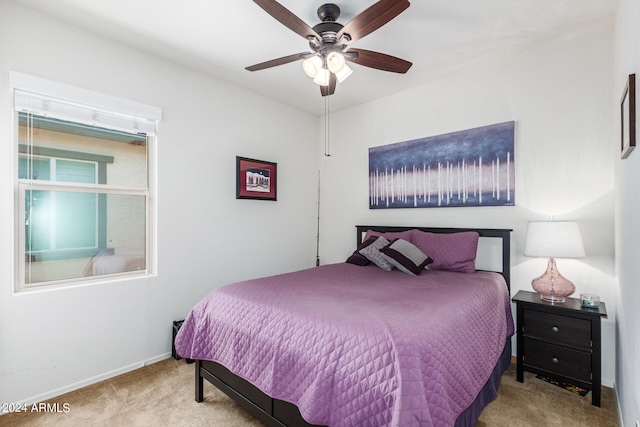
(335, 62)
(311, 66)
(344, 73)
(322, 78)
(554, 239)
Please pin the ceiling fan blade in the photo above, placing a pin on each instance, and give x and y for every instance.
(277, 61)
(380, 61)
(287, 18)
(330, 88)
(373, 18)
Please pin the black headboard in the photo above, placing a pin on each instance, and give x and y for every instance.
(499, 233)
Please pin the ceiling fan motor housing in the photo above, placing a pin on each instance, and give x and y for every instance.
(328, 32)
(328, 28)
(329, 12)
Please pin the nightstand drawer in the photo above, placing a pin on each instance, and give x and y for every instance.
(557, 359)
(558, 329)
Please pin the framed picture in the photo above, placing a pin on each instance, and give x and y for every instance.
(628, 117)
(256, 179)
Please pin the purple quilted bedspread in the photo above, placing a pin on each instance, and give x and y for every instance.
(358, 346)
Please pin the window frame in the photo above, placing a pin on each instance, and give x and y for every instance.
(93, 188)
(149, 117)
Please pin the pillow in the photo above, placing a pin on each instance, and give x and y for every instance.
(356, 257)
(405, 235)
(406, 257)
(373, 254)
(452, 252)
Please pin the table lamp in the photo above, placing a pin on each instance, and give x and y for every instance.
(553, 239)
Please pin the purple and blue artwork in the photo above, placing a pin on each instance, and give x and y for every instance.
(473, 167)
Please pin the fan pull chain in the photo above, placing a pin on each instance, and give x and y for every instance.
(318, 222)
(327, 119)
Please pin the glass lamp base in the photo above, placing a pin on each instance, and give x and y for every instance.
(551, 298)
(552, 286)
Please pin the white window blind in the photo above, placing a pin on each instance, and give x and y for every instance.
(47, 98)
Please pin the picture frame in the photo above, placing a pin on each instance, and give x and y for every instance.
(628, 117)
(256, 179)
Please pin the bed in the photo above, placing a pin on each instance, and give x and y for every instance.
(354, 343)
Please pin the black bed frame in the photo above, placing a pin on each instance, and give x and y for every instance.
(277, 413)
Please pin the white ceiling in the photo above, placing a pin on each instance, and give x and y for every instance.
(222, 37)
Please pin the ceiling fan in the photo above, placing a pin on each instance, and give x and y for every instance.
(330, 41)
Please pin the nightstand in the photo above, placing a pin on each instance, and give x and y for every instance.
(559, 340)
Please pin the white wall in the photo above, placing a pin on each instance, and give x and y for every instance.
(51, 342)
(627, 61)
(559, 94)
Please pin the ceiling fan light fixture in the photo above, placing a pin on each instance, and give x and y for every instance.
(335, 62)
(344, 73)
(330, 41)
(322, 78)
(311, 66)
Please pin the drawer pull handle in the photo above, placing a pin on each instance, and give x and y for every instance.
(554, 360)
(555, 329)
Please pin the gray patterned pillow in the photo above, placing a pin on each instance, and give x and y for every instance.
(406, 256)
(356, 257)
(373, 254)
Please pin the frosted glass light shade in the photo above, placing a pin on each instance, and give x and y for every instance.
(553, 239)
(335, 62)
(311, 66)
(344, 73)
(322, 78)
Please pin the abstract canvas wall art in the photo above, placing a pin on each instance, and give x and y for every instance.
(473, 167)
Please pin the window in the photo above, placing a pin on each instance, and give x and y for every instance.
(84, 183)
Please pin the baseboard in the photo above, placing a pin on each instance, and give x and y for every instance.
(89, 381)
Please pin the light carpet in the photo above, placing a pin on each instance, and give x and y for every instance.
(162, 394)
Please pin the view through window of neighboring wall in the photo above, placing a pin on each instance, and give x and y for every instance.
(84, 201)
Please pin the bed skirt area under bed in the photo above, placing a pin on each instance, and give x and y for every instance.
(277, 413)
(489, 392)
